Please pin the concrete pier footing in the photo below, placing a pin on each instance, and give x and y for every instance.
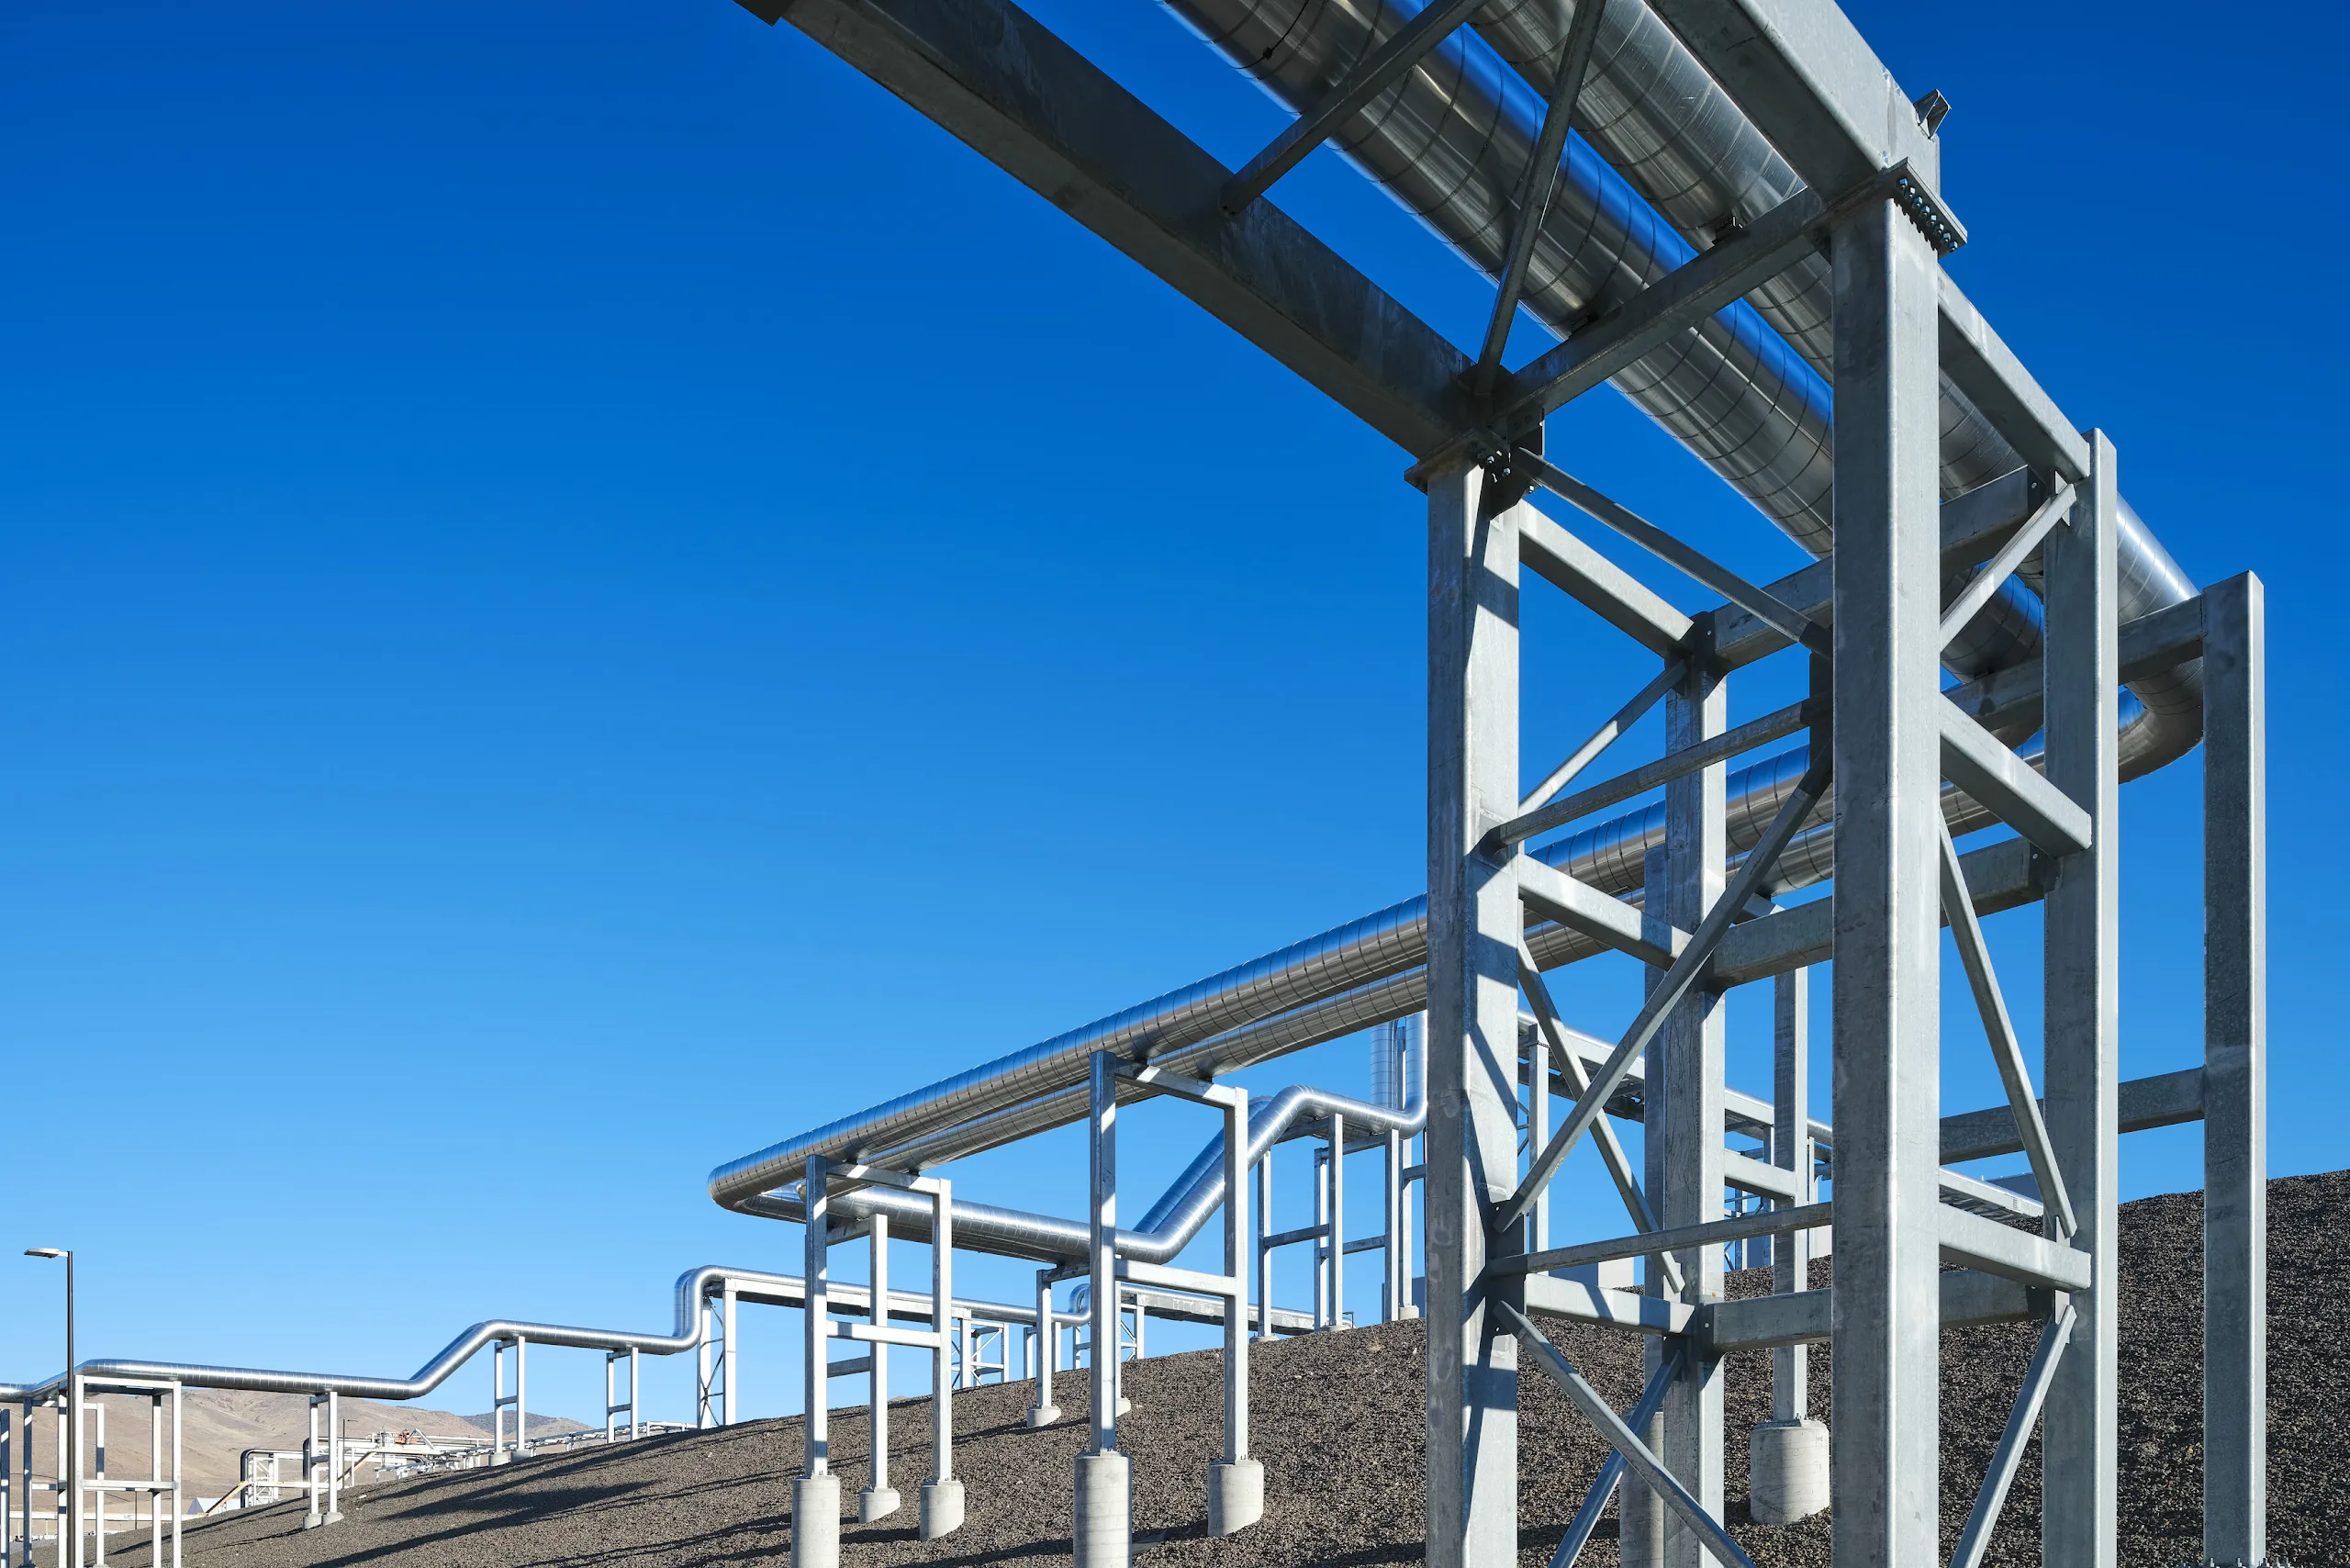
(1235, 1496)
(1789, 1478)
(942, 1508)
(816, 1521)
(1103, 1525)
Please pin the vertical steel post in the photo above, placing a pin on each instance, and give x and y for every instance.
(1538, 1133)
(1390, 1259)
(179, 1466)
(1102, 1258)
(704, 1369)
(1102, 1534)
(2080, 1427)
(155, 1474)
(334, 1441)
(1791, 1150)
(75, 1487)
(942, 1494)
(1688, 1114)
(816, 1452)
(816, 1491)
(2235, 1072)
(1044, 1413)
(1322, 1318)
(878, 1500)
(1235, 1482)
(1640, 1512)
(635, 1383)
(1236, 1262)
(1264, 1253)
(315, 1517)
(730, 1350)
(1337, 1236)
(1885, 1302)
(1473, 925)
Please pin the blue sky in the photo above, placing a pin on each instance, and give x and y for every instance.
(581, 591)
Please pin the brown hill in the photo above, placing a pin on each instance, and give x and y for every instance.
(218, 1425)
(1338, 1421)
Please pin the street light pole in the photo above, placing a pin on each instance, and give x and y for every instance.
(72, 1477)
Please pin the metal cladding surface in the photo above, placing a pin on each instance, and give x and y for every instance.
(692, 1287)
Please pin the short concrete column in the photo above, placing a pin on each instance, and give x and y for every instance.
(816, 1521)
(1236, 1495)
(941, 1507)
(1102, 1526)
(1788, 1476)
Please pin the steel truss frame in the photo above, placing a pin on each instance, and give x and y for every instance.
(1882, 726)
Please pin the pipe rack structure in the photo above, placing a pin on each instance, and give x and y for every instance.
(706, 1299)
(1727, 211)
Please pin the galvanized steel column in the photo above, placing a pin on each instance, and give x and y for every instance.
(2235, 1072)
(2079, 1435)
(1473, 925)
(1791, 1150)
(1886, 1303)
(1688, 1114)
(1640, 1513)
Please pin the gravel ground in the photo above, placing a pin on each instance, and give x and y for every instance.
(1336, 1421)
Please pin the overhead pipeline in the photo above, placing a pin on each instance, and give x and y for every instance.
(693, 1286)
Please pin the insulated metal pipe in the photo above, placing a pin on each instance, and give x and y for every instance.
(693, 1286)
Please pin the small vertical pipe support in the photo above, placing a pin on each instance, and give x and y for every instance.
(1237, 1482)
(1791, 1151)
(942, 1494)
(880, 1499)
(1102, 1533)
(1337, 1236)
(1264, 1252)
(816, 1491)
(2235, 1072)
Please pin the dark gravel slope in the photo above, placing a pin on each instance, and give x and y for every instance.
(1338, 1423)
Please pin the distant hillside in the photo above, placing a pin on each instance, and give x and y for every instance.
(216, 1426)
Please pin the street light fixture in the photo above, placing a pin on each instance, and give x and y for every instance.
(72, 1400)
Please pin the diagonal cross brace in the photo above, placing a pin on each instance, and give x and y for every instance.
(1624, 1440)
(1534, 190)
(1594, 1501)
(1974, 955)
(2018, 549)
(1607, 735)
(1974, 1538)
(1611, 1148)
(1377, 72)
(1677, 983)
(1760, 603)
